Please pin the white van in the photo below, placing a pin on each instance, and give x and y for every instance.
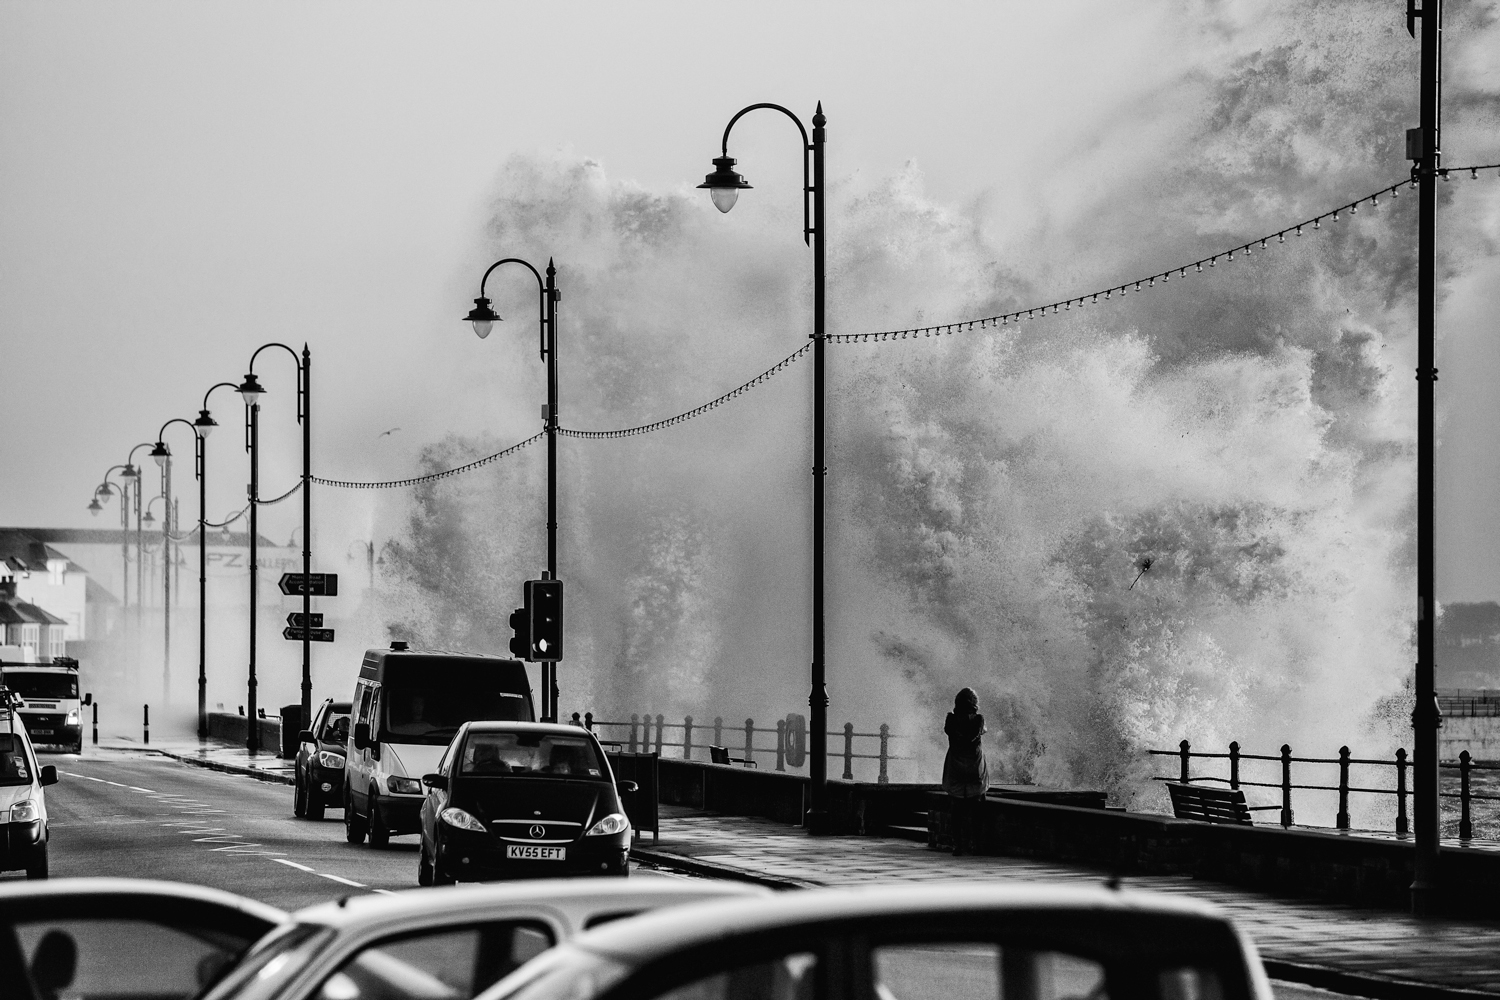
(23, 806)
(407, 706)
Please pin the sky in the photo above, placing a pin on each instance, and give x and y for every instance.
(182, 182)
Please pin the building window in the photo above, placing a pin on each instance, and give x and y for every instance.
(56, 569)
(59, 644)
(31, 638)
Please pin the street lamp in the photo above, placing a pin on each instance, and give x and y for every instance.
(106, 489)
(251, 391)
(133, 474)
(483, 318)
(724, 186)
(163, 456)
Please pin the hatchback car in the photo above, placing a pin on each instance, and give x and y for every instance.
(441, 943)
(954, 942)
(88, 938)
(319, 767)
(522, 800)
(23, 805)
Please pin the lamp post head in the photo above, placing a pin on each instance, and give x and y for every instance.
(251, 389)
(161, 454)
(724, 185)
(130, 473)
(104, 490)
(482, 317)
(204, 424)
(148, 519)
(95, 506)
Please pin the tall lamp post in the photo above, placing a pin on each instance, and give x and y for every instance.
(252, 390)
(163, 456)
(132, 473)
(724, 186)
(483, 318)
(107, 489)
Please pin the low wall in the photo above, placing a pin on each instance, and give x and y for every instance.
(1480, 735)
(234, 728)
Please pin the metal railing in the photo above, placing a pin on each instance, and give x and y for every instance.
(1464, 765)
(647, 733)
(1471, 703)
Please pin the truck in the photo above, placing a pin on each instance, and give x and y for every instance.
(48, 701)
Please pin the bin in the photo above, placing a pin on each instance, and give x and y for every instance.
(291, 725)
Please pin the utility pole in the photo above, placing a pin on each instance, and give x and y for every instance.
(1424, 147)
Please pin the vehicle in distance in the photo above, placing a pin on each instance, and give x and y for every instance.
(522, 800)
(319, 765)
(408, 704)
(88, 938)
(958, 942)
(23, 804)
(50, 705)
(448, 943)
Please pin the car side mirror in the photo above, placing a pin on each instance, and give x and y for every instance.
(362, 736)
(49, 774)
(627, 786)
(88, 699)
(306, 736)
(438, 781)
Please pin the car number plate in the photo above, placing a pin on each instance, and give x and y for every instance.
(529, 852)
(40, 732)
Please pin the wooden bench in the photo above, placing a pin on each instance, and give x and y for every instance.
(1211, 805)
(720, 755)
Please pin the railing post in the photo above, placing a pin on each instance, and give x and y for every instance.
(687, 737)
(885, 739)
(781, 744)
(146, 723)
(1341, 821)
(588, 721)
(1186, 753)
(659, 728)
(1234, 764)
(1286, 785)
(634, 719)
(718, 730)
(848, 751)
(749, 739)
(1465, 826)
(577, 720)
(1402, 825)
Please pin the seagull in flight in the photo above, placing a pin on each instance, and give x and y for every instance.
(391, 431)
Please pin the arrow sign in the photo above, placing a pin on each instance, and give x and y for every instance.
(312, 584)
(298, 620)
(314, 634)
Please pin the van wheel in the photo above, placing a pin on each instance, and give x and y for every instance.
(354, 824)
(38, 867)
(299, 797)
(380, 834)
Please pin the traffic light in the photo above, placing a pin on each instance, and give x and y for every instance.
(520, 643)
(544, 598)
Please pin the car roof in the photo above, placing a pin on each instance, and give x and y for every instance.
(581, 895)
(494, 726)
(652, 935)
(61, 890)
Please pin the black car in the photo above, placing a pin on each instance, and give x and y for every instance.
(320, 760)
(522, 800)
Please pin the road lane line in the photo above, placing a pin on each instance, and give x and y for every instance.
(293, 864)
(146, 790)
(90, 777)
(383, 892)
(339, 878)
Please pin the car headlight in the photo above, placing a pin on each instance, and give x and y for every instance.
(613, 823)
(24, 812)
(327, 758)
(72, 718)
(454, 816)
(404, 786)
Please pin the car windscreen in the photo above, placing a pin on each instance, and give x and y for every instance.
(547, 755)
(426, 699)
(34, 684)
(335, 728)
(15, 769)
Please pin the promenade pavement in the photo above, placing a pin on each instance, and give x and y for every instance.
(1352, 950)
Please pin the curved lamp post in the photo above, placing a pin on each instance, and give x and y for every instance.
(724, 186)
(483, 318)
(108, 489)
(163, 456)
(135, 474)
(251, 390)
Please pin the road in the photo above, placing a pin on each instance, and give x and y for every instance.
(138, 814)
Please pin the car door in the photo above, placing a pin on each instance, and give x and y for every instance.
(357, 762)
(437, 798)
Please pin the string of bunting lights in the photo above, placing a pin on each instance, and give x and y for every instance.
(1004, 319)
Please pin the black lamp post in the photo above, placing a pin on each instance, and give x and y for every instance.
(163, 456)
(133, 475)
(106, 489)
(724, 186)
(252, 390)
(203, 426)
(483, 318)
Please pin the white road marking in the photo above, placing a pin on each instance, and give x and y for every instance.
(146, 790)
(383, 892)
(293, 864)
(90, 777)
(340, 878)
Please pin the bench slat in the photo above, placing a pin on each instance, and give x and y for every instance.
(1209, 805)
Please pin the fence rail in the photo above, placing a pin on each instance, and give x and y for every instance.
(1464, 765)
(647, 732)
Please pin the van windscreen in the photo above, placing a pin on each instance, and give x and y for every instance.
(426, 699)
(37, 684)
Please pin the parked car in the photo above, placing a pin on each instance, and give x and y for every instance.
(319, 766)
(522, 800)
(956, 942)
(441, 943)
(87, 938)
(408, 703)
(23, 804)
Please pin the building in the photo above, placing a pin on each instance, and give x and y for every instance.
(34, 635)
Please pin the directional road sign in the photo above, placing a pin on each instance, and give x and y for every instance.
(313, 584)
(297, 619)
(315, 634)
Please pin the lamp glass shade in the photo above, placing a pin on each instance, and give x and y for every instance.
(482, 317)
(724, 185)
(204, 424)
(482, 327)
(251, 390)
(161, 454)
(95, 507)
(130, 473)
(724, 198)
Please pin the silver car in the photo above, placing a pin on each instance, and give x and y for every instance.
(936, 942)
(445, 943)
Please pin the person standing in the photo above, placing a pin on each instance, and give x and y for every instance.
(965, 775)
